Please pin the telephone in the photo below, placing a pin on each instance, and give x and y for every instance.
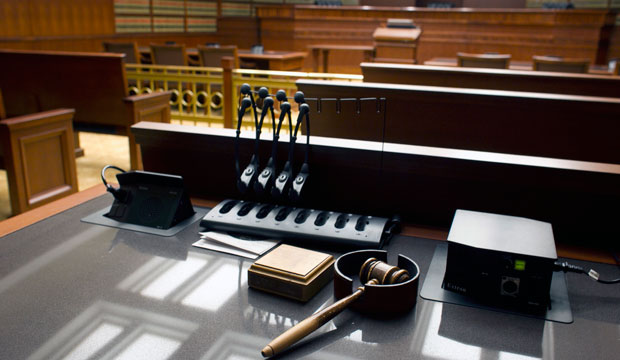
(149, 199)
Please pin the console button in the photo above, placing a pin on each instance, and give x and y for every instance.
(321, 219)
(245, 209)
(228, 206)
(361, 223)
(341, 221)
(302, 216)
(264, 211)
(283, 213)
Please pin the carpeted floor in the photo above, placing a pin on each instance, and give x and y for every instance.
(99, 150)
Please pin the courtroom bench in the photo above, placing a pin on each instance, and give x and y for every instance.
(524, 123)
(495, 79)
(94, 84)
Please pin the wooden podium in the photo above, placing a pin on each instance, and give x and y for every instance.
(396, 45)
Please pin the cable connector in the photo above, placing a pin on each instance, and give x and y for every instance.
(593, 274)
(566, 267)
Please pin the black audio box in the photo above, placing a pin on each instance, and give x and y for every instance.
(500, 260)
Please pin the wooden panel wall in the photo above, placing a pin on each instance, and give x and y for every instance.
(520, 32)
(47, 18)
(78, 25)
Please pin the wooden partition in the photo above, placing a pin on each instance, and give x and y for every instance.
(37, 153)
(93, 83)
(495, 79)
(425, 185)
(549, 125)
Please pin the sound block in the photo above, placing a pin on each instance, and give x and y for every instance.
(292, 272)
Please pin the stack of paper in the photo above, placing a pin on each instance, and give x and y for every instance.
(226, 243)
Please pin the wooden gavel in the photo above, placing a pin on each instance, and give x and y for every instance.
(372, 272)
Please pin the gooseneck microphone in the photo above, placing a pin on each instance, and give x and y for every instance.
(246, 90)
(283, 181)
(267, 177)
(296, 191)
(286, 185)
(244, 179)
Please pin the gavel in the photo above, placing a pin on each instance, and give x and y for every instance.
(372, 272)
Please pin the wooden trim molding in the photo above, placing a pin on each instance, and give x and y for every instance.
(28, 218)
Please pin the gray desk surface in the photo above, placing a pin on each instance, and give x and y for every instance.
(74, 290)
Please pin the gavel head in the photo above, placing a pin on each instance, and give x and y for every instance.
(383, 273)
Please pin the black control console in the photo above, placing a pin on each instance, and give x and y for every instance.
(500, 260)
(298, 224)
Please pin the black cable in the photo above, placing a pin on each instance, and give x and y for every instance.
(103, 174)
(566, 267)
(245, 103)
(119, 194)
(285, 108)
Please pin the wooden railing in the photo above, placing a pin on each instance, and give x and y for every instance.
(209, 96)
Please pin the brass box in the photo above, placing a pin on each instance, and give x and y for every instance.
(292, 272)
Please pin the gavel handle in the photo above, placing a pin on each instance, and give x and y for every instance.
(315, 321)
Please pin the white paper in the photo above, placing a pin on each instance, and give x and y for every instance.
(257, 247)
(211, 245)
(229, 244)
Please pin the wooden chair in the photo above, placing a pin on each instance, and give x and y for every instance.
(211, 56)
(559, 64)
(130, 49)
(493, 61)
(169, 54)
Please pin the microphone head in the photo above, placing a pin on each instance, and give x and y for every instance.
(299, 97)
(281, 95)
(285, 107)
(304, 108)
(246, 89)
(246, 103)
(268, 102)
(263, 92)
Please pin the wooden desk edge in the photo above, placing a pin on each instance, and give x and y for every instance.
(18, 222)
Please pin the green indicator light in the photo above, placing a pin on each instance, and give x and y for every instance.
(520, 265)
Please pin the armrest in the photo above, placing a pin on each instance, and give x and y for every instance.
(153, 107)
(37, 119)
(152, 96)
